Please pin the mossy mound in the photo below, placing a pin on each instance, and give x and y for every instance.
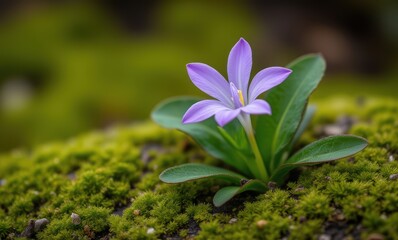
(110, 181)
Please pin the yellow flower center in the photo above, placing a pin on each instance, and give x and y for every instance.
(241, 97)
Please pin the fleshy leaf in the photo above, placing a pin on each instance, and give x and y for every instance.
(288, 101)
(323, 150)
(328, 149)
(225, 194)
(228, 137)
(192, 171)
(169, 114)
(309, 113)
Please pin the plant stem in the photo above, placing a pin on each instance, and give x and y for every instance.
(246, 123)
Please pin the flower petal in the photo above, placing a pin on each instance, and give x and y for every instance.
(202, 110)
(258, 106)
(209, 81)
(240, 65)
(267, 79)
(225, 116)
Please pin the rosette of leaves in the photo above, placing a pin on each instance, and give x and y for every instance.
(275, 134)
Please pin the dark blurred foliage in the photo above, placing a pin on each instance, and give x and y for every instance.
(71, 66)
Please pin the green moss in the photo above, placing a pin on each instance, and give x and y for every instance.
(94, 221)
(314, 204)
(199, 212)
(5, 228)
(110, 179)
(307, 230)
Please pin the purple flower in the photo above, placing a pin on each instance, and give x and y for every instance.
(236, 97)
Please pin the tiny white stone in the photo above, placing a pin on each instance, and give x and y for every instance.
(333, 130)
(292, 227)
(75, 218)
(324, 237)
(233, 220)
(150, 231)
(40, 224)
(394, 176)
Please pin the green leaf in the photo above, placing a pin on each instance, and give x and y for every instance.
(225, 194)
(228, 137)
(324, 150)
(169, 114)
(328, 149)
(309, 113)
(192, 171)
(288, 101)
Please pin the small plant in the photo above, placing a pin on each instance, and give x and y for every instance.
(259, 148)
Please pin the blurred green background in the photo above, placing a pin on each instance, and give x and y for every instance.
(70, 66)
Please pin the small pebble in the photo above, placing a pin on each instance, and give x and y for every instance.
(86, 229)
(391, 158)
(327, 178)
(11, 236)
(150, 231)
(351, 160)
(359, 228)
(136, 212)
(75, 219)
(261, 224)
(299, 189)
(40, 224)
(375, 236)
(340, 217)
(324, 237)
(72, 176)
(2, 182)
(88, 232)
(333, 130)
(29, 230)
(272, 185)
(286, 206)
(394, 176)
(233, 220)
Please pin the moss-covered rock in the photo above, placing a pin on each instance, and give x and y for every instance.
(109, 180)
